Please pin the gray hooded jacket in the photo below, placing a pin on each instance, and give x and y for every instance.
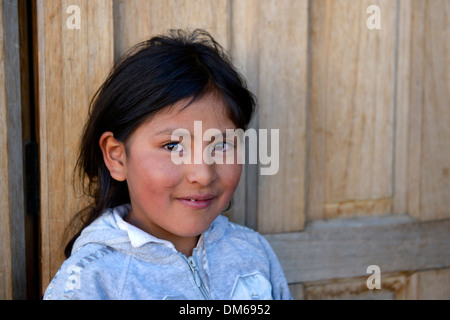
(112, 259)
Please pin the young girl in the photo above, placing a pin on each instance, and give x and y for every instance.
(155, 229)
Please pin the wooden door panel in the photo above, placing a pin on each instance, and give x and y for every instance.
(340, 249)
(429, 141)
(12, 216)
(351, 129)
(71, 64)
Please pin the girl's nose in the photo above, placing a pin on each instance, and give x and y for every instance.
(203, 174)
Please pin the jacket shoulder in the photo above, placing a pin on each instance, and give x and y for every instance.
(237, 232)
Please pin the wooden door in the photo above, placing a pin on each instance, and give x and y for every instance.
(377, 154)
(12, 216)
(362, 115)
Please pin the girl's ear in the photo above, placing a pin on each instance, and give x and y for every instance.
(114, 156)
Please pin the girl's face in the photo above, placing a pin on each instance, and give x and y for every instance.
(178, 202)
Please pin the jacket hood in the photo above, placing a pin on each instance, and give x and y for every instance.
(111, 230)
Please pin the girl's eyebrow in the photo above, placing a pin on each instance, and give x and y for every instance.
(166, 131)
(169, 131)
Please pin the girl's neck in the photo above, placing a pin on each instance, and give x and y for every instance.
(186, 247)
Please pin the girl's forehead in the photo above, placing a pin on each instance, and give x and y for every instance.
(209, 109)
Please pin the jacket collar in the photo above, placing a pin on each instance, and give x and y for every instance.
(138, 237)
(111, 230)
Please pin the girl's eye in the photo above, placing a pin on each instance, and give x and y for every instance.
(174, 147)
(223, 146)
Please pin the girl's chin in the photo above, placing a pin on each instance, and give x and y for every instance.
(189, 229)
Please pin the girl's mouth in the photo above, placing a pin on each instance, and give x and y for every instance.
(199, 201)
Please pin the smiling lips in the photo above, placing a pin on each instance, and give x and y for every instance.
(198, 201)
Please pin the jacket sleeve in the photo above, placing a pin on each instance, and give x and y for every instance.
(280, 288)
(82, 277)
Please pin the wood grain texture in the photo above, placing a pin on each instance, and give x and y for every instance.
(12, 221)
(282, 94)
(72, 64)
(429, 117)
(415, 112)
(351, 128)
(435, 115)
(393, 287)
(139, 20)
(402, 107)
(429, 285)
(243, 51)
(339, 249)
(422, 285)
(5, 232)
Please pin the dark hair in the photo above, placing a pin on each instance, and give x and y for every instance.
(153, 75)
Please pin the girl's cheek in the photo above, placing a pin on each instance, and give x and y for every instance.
(164, 173)
(230, 174)
(157, 174)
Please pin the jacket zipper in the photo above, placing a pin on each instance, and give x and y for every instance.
(198, 281)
